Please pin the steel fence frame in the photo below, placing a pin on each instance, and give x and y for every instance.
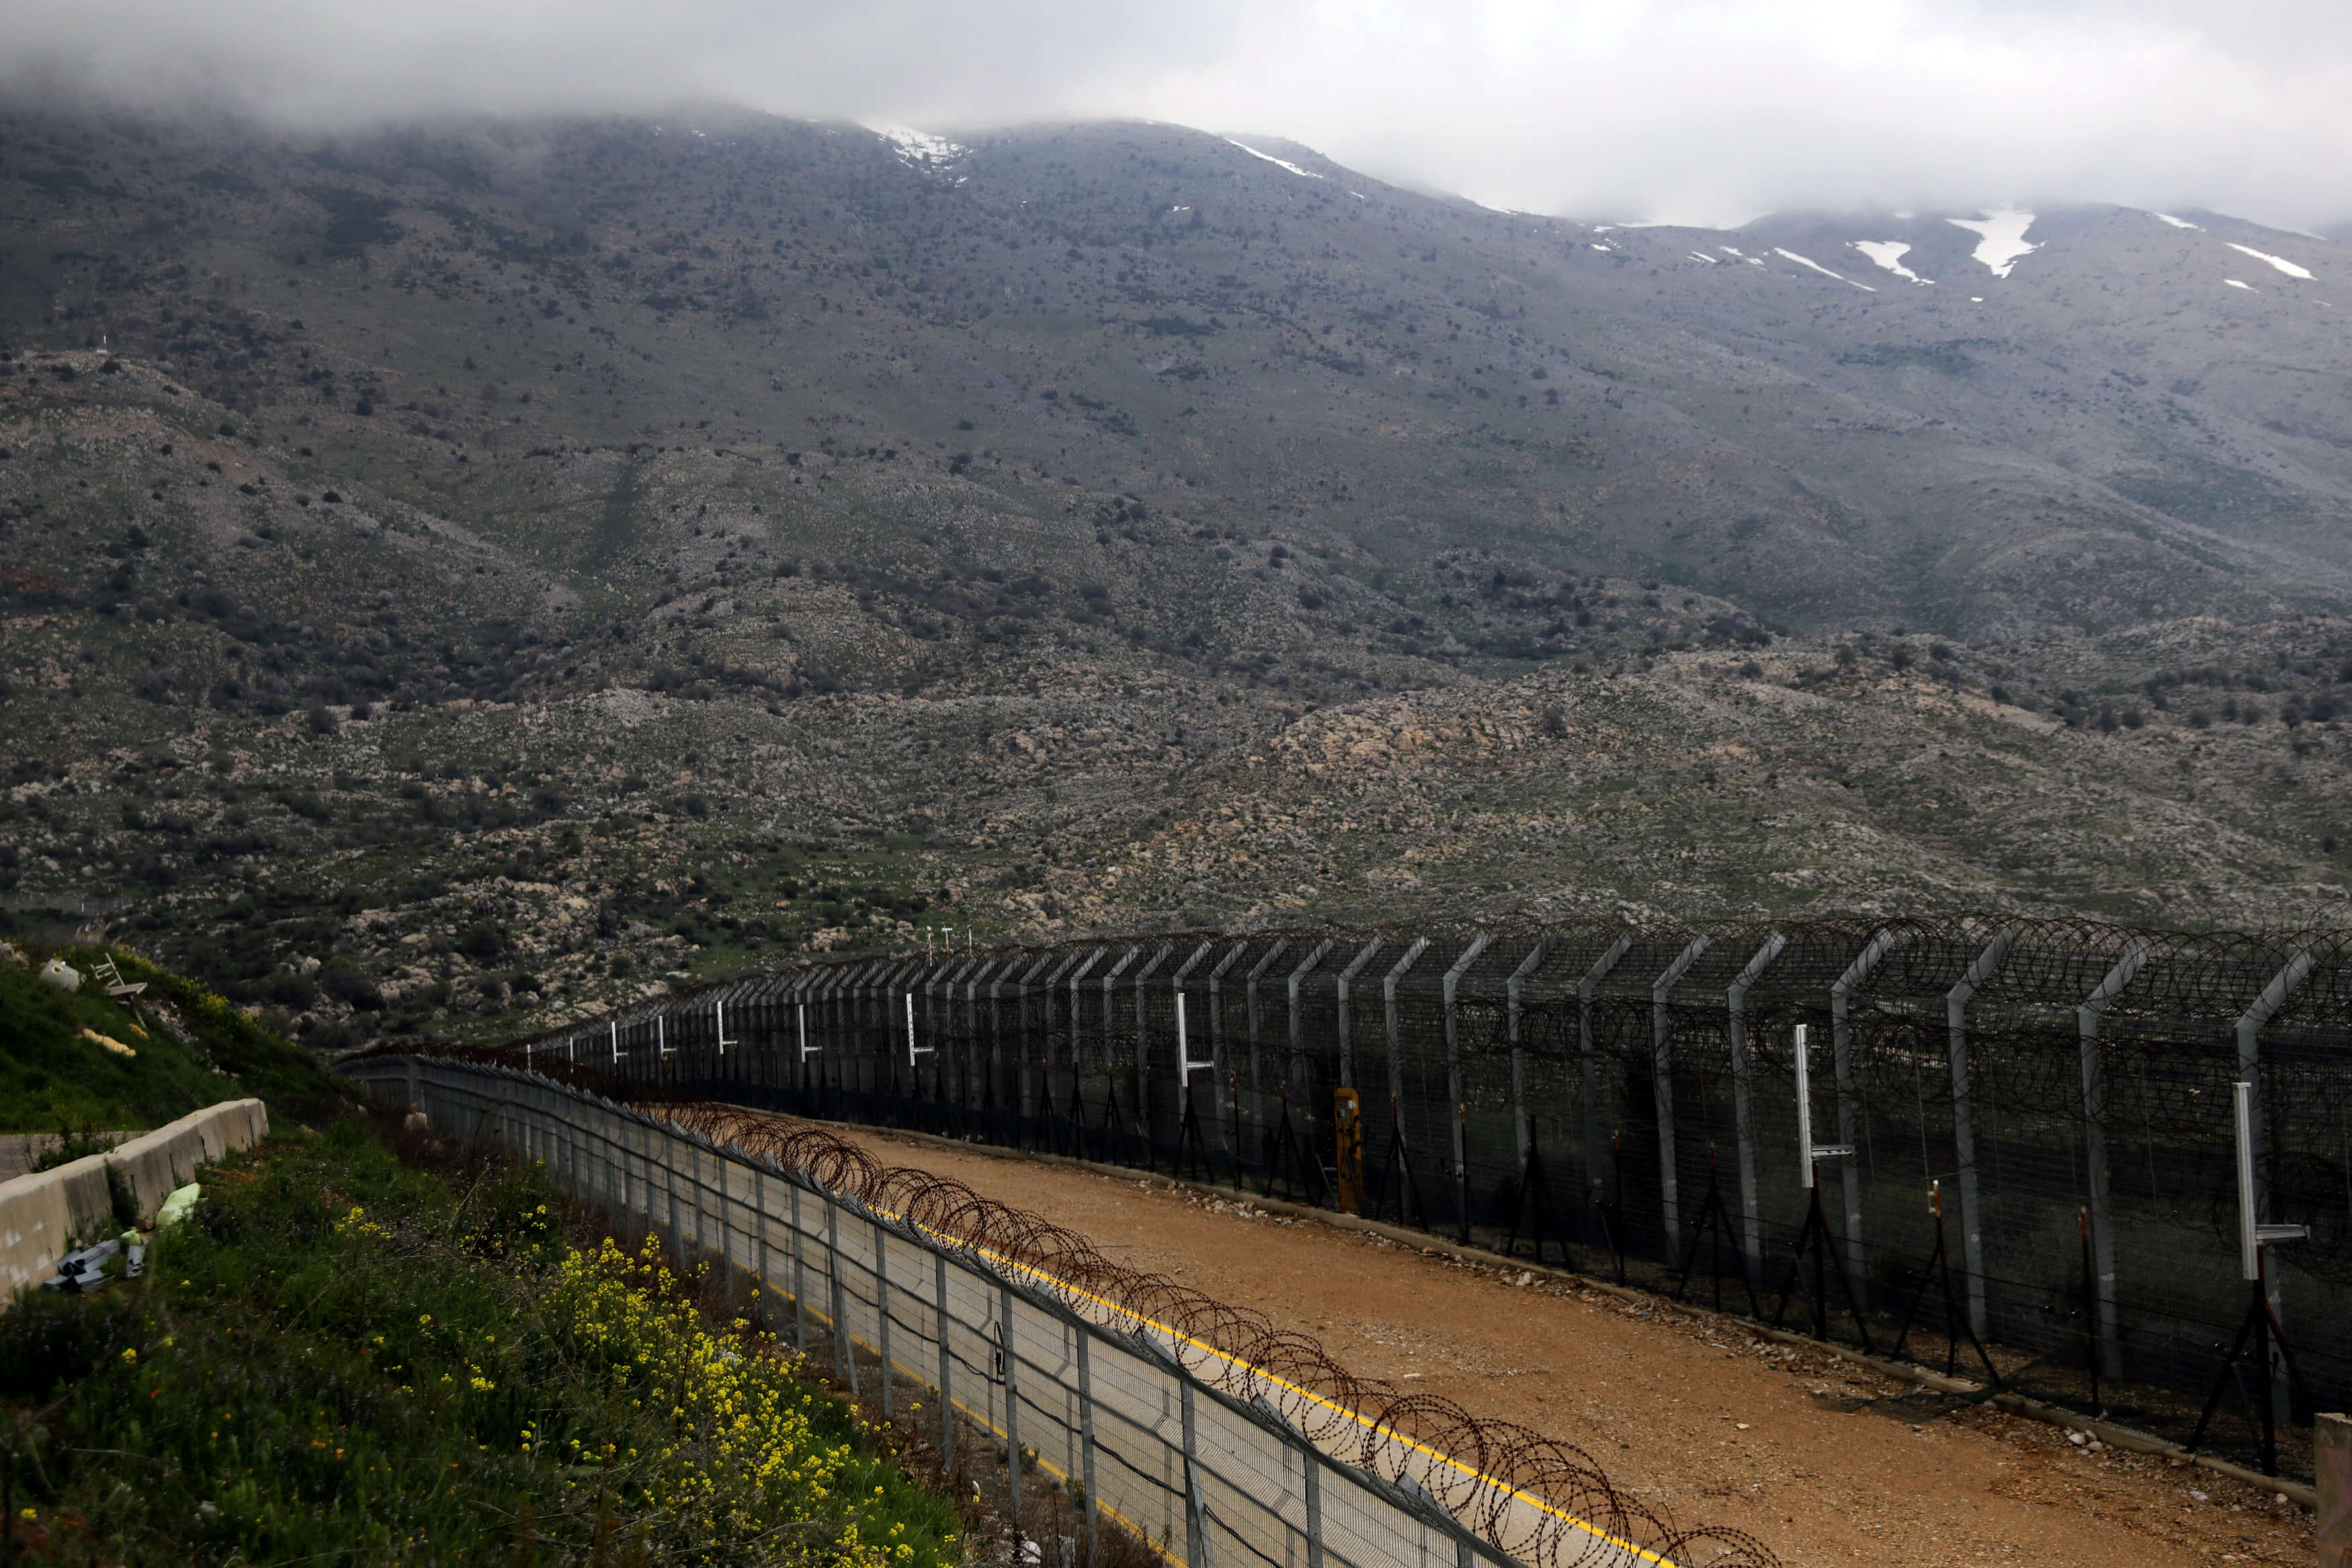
(2064, 1083)
(1213, 1470)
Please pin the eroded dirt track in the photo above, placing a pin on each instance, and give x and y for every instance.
(1692, 1415)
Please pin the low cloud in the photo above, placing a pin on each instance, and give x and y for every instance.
(1638, 109)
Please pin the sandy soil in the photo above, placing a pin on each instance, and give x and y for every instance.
(1820, 1460)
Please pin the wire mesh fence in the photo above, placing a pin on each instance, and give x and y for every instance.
(1201, 1428)
(2022, 1130)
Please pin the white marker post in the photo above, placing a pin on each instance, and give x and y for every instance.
(1810, 1151)
(2252, 1235)
(913, 1050)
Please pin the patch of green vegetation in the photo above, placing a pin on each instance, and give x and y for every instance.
(343, 1359)
(83, 1058)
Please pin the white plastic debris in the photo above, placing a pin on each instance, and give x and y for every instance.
(62, 974)
(178, 1205)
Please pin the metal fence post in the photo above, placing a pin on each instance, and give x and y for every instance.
(2249, 1024)
(760, 1213)
(800, 1277)
(1196, 1524)
(1455, 1090)
(1012, 1407)
(2095, 1151)
(1743, 1113)
(1849, 1124)
(947, 1394)
(1597, 1163)
(844, 1360)
(1087, 1444)
(701, 1218)
(1345, 1035)
(1311, 1459)
(1964, 1131)
(669, 1191)
(882, 1309)
(726, 1219)
(1662, 1089)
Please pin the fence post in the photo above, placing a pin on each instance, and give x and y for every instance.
(1086, 1444)
(844, 1360)
(670, 1185)
(947, 1394)
(1597, 1163)
(1196, 1524)
(1848, 1119)
(1310, 1460)
(882, 1309)
(701, 1187)
(726, 1222)
(2095, 1150)
(760, 1213)
(1011, 1408)
(800, 1277)
(1964, 1130)
(2249, 1068)
(1455, 1090)
(1662, 1090)
(1743, 1111)
(1346, 1038)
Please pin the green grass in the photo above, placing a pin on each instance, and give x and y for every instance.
(343, 1359)
(54, 1077)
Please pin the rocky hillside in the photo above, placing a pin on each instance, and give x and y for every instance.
(493, 568)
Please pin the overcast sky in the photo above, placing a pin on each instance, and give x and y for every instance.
(1663, 109)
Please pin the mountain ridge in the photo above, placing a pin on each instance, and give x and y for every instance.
(532, 560)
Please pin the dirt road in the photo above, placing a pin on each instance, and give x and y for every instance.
(1695, 1417)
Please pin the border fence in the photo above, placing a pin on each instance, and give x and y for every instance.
(2018, 1136)
(1200, 1427)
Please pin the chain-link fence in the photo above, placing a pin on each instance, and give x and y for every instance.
(1148, 1415)
(2024, 1128)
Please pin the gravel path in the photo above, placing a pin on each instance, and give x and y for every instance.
(1695, 1417)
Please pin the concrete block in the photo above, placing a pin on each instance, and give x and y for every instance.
(42, 1214)
(2332, 1459)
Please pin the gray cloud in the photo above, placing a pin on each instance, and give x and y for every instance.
(1700, 109)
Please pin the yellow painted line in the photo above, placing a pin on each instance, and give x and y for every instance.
(1538, 1504)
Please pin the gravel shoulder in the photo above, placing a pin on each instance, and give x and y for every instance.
(1824, 1461)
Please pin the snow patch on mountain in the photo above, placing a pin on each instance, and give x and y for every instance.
(1825, 271)
(2000, 237)
(2282, 263)
(920, 149)
(2176, 223)
(1286, 163)
(2235, 284)
(1889, 254)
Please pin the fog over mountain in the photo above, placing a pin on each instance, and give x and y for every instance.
(1680, 109)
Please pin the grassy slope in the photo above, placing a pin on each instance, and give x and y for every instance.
(343, 1359)
(54, 1078)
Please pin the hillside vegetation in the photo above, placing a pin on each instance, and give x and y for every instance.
(467, 576)
(76, 1060)
(341, 1358)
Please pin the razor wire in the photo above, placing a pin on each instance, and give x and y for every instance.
(2048, 1076)
(1528, 1497)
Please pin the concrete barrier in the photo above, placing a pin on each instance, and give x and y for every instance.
(43, 1213)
